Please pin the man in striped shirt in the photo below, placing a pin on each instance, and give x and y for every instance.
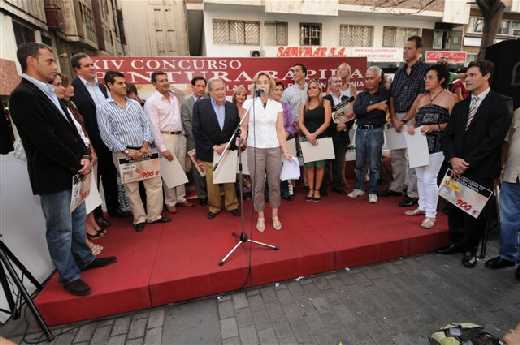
(125, 129)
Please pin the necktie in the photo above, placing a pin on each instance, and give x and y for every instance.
(473, 107)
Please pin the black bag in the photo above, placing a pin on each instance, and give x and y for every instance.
(6, 133)
(463, 334)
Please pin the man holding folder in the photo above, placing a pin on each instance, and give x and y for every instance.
(214, 122)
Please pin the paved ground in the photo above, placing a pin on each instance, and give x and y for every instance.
(399, 302)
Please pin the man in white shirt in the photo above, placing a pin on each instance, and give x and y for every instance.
(164, 109)
(296, 94)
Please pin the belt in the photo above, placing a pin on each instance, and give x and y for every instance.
(172, 132)
(370, 126)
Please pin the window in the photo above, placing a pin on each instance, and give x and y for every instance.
(275, 33)
(505, 27)
(236, 32)
(310, 34)
(516, 28)
(355, 35)
(476, 24)
(448, 40)
(397, 37)
(22, 33)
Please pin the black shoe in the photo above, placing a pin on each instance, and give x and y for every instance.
(212, 215)
(517, 273)
(389, 192)
(451, 249)
(120, 214)
(102, 222)
(203, 201)
(469, 260)
(235, 212)
(100, 262)
(162, 220)
(139, 227)
(77, 288)
(408, 202)
(498, 263)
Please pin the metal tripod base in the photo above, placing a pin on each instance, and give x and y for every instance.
(242, 238)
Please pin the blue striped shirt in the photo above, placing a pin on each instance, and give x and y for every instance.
(123, 127)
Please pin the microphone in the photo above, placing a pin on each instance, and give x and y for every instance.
(259, 92)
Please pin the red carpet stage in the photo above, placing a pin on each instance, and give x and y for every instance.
(178, 261)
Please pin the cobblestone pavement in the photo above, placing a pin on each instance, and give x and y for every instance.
(399, 302)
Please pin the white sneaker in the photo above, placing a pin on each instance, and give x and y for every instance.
(356, 193)
(372, 198)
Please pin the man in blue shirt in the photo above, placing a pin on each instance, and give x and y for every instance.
(125, 130)
(370, 111)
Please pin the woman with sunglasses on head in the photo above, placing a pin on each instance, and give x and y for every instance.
(264, 133)
(65, 92)
(431, 111)
(314, 121)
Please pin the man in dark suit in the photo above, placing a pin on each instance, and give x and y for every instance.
(55, 153)
(89, 94)
(472, 145)
(214, 121)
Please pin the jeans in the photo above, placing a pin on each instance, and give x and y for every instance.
(66, 235)
(427, 184)
(510, 221)
(369, 144)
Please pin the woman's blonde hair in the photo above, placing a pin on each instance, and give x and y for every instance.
(272, 83)
(237, 90)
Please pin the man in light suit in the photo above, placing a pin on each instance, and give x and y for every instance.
(198, 86)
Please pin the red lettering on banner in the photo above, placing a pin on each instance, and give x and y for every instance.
(235, 71)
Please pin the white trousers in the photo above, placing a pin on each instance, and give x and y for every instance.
(427, 187)
(176, 144)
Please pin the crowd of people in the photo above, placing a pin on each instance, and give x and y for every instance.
(86, 127)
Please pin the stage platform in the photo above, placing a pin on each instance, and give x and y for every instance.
(179, 261)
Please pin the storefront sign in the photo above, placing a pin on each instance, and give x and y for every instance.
(454, 57)
(372, 54)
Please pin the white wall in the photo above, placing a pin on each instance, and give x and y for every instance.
(330, 26)
(8, 42)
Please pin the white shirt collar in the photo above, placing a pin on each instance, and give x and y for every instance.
(86, 82)
(40, 84)
(482, 95)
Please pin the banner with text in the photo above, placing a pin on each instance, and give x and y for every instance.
(235, 71)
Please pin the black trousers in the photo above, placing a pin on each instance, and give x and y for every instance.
(338, 164)
(108, 174)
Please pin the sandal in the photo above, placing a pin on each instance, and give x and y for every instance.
(416, 212)
(98, 235)
(317, 196)
(277, 225)
(260, 224)
(428, 223)
(309, 196)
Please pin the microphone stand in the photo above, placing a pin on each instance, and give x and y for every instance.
(242, 238)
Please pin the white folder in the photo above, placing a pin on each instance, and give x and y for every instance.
(172, 173)
(226, 171)
(323, 150)
(418, 153)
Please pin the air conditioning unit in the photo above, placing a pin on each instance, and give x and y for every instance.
(256, 53)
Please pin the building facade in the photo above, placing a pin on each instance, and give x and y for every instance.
(509, 29)
(155, 27)
(330, 27)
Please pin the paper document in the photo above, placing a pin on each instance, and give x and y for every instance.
(226, 171)
(394, 140)
(290, 169)
(291, 147)
(80, 190)
(323, 150)
(172, 173)
(418, 153)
